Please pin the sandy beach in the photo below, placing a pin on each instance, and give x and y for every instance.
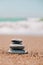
(21, 19)
(33, 44)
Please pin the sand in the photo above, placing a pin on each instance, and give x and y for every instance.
(33, 44)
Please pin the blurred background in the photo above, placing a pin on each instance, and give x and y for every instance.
(21, 17)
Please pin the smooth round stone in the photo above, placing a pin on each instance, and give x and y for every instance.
(17, 51)
(16, 46)
(16, 41)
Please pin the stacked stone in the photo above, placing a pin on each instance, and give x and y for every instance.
(17, 47)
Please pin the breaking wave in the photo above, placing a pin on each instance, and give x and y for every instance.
(31, 26)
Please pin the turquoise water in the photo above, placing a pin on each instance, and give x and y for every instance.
(11, 19)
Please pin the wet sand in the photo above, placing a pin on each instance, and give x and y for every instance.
(33, 44)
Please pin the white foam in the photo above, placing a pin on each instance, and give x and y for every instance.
(32, 26)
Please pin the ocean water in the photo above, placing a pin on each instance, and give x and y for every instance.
(11, 19)
(25, 26)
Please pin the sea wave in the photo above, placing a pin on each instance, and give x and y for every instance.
(31, 26)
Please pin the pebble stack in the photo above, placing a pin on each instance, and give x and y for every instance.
(17, 47)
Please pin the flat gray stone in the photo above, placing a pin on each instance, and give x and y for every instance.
(16, 46)
(16, 41)
(17, 51)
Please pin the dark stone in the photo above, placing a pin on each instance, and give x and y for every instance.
(16, 42)
(18, 51)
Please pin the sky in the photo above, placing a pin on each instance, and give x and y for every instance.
(21, 8)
